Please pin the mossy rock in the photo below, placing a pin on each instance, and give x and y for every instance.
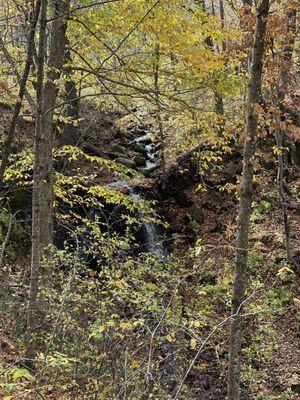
(139, 160)
(195, 213)
(127, 162)
(116, 148)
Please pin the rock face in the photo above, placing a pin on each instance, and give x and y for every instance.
(195, 213)
(126, 162)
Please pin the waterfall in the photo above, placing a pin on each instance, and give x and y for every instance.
(153, 239)
(153, 242)
(152, 236)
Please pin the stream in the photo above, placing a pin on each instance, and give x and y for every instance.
(153, 239)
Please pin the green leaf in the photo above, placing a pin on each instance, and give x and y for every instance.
(18, 372)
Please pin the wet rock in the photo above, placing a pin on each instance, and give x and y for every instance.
(127, 162)
(139, 160)
(140, 148)
(89, 148)
(116, 148)
(150, 172)
(195, 213)
(113, 156)
(145, 140)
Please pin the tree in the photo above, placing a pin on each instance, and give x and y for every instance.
(42, 202)
(22, 90)
(285, 66)
(246, 193)
(56, 59)
(32, 311)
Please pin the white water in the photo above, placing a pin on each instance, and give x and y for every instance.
(151, 159)
(153, 239)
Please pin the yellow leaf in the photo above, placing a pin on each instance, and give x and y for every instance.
(193, 343)
(202, 366)
(134, 364)
(171, 336)
(120, 284)
(296, 303)
(126, 326)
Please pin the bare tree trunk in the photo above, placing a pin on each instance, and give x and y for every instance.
(57, 46)
(69, 135)
(42, 204)
(219, 103)
(282, 197)
(12, 129)
(159, 119)
(32, 307)
(246, 193)
(279, 136)
(11, 61)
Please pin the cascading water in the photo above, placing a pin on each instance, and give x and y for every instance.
(152, 235)
(153, 240)
(149, 150)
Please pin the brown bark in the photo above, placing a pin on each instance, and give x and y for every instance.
(159, 118)
(219, 103)
(280, 135)
(42, 203)
(12, 129)
(69, 135)
(32, 307)
(56, 60)
(246, 193)
(11, 61)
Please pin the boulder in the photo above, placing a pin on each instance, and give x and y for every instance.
(145, 140)
(127, 162)
(139, 160)
(116, 148)
(150, 172)
(90, 148)
(140, 148)
(195, 213)
(113, 156)
(231, 170)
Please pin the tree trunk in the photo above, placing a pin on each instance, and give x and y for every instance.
(12, 129)
(32, 307)
(285, 66)
(219, 103)
(56, 60)
(11, 61)
(69, 135)
(246, 193)
(280, 180)
(42, 203)
(159, 119)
